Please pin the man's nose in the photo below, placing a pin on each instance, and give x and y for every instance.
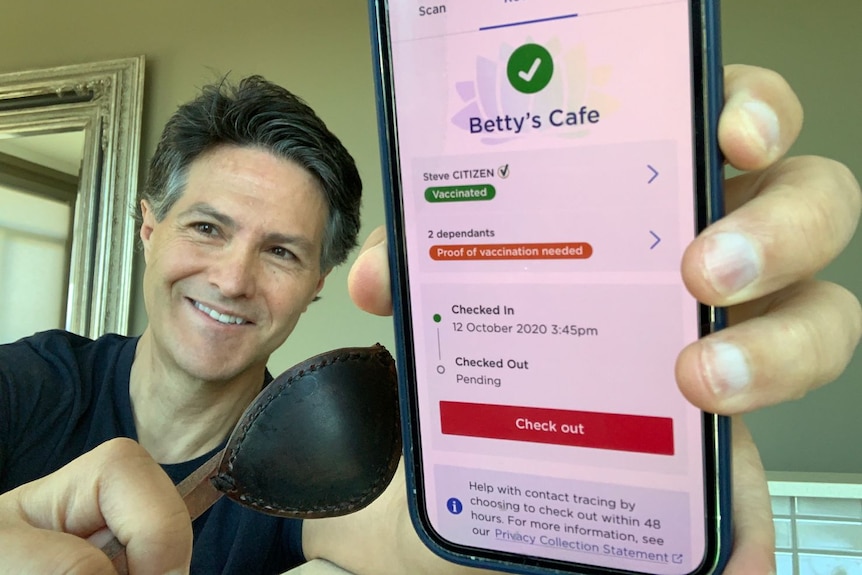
(234, 271)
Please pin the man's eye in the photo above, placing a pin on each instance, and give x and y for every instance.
(283, 253)
(205, 229)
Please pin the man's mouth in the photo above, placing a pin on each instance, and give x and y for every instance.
(220, 317)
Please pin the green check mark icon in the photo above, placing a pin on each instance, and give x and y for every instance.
(530, 68)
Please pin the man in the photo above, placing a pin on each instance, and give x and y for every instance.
(250, 202)
(218, 282)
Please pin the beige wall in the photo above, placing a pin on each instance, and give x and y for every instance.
(818, 48)
(320, 49)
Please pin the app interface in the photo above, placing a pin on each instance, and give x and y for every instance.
(547, 175)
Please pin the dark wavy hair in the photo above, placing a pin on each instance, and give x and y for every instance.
(257, 113)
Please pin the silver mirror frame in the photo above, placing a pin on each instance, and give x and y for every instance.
(105, 99)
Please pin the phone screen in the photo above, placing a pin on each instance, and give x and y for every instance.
(546, 185)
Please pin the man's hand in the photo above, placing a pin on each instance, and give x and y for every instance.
(790, 333)
(55, 524)
(787, 220)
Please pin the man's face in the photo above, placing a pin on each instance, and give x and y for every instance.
(234, 263)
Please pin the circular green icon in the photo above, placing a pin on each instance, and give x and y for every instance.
(530, 68)
(437, 317)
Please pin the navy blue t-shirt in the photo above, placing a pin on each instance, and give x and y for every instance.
(61, 395)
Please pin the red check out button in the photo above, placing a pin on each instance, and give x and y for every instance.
(618, 432)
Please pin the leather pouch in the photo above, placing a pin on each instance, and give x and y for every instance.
(322, 439)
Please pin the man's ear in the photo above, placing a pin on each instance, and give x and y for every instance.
(318, 288)
(148, 222)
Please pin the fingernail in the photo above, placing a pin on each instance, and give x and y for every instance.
(726, 368)
(760, 123)
(731, 262)
(101, 537)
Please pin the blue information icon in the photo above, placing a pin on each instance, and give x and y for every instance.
(454, 506)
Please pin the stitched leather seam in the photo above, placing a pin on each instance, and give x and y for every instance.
(376, 352)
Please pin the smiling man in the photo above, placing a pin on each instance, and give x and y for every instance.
(230, 268)
(250, 202)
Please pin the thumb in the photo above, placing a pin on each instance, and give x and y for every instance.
(368, 280)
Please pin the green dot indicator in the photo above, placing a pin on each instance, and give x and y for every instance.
(437, 318)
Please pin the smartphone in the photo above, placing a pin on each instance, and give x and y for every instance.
(546, 162)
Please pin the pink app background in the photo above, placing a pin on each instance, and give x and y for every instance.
(594, 183)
